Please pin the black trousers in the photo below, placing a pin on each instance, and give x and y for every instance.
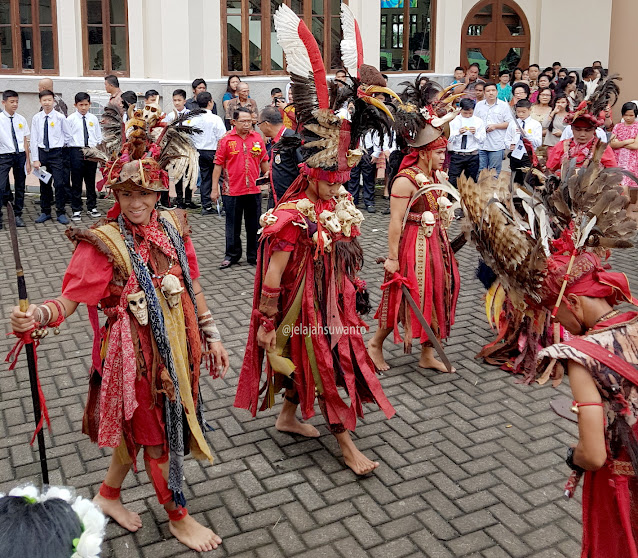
(516, 165)
(248, 205)
(206, 166)
(53, 160)
(460, 163)
(369, 170)
(82, 171)
(182, 195)
(15, 161)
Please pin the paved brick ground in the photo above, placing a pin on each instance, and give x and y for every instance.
(471, 465)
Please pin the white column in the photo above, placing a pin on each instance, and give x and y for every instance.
(368, 15)
(136, 32)
(69, 27)
(449, 20)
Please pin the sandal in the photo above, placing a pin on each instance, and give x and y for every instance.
(225, 264)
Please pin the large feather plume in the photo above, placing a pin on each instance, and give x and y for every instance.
(351, 44)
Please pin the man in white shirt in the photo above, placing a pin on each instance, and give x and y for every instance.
(467, 134)
(213, 129)
(496, 115)
(49, 135)
(568, 133)
(14, 134)
(533, 131)
(84, 131)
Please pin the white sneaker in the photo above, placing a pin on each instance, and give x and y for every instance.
(94, 213)
(77, 216)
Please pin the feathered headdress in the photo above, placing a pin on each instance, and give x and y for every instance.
(592, 111)
(141, 153)
(426, 108)
(330, 142)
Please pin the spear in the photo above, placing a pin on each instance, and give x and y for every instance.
(29, 346)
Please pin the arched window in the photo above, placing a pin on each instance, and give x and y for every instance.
(105, 37)
(28, 37)
(250, 42)
(407, 35)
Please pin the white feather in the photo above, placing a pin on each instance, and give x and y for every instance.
(349, 55)
(287, 25)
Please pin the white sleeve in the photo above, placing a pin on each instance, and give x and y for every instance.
(509, 117)
(481, 133)
(220, 128)
(98, 131)
(510, 135)
(567, 133)
(35, 139)
(537, 135)
(455, 126)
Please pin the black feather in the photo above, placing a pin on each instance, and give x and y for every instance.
(485, 274)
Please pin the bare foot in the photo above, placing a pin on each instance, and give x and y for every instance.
(428, 361)
(376, 354)
(354, 459)
(194, 535)
(116, 510)
(293, 425)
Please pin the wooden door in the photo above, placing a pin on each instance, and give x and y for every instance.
(495, 35)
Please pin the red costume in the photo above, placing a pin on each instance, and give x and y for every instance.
(569, 149)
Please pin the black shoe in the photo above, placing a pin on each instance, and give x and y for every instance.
(191, 205)
(252, 262)
(43, 217)
(208, 211)
(386, 211)
(371, 209)
(225, 264)
(180, 204)
(19, 221)
(1, 226)
(168, 207)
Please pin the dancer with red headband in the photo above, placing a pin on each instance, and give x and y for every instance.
(419, 250)
(550, 266)
(308, 297)
(140, 268)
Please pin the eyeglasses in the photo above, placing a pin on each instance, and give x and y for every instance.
(262, 122)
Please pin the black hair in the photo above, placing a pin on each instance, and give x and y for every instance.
(112, 80)
(180, 93)
(474, 65)
(40, 530)
(274, 91)
(480, 84)
(228, 88)
(341, 71)
(588, 72)
(549, 69)
(459, 68)
(629, 106)
(82, 96)
(489, 84)
(197, 82)
(503, 73)
(203, 99)
(594, 62)
(45, 93)
(239, 110)
(563, 70)
(523, 85)
(272, 115)
(129, 98)
(467, 104)
(523, 103)
(533, 66)
(576, 77)
(385, 76)
(151, 93)
(557, 64)
(545, 75)
(8, 94)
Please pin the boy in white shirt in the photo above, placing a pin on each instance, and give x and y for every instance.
(49, 135)
(467, 134)
(533, 131)
(14, 153)
(84, 131)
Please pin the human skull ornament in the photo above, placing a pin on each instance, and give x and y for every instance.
(422, 180)
(342, 194)
(268, 218)
(329, 220)
(327, 240)
(428, 221)
(307, 209)
(151, 114)
(172, 290)
(445, 211)
(138, 306)
(345, 220)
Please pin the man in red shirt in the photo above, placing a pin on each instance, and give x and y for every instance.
(242, 154)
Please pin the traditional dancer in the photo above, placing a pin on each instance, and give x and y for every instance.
(140, 268)
(419, 251)
(550, 264)
(308, 297)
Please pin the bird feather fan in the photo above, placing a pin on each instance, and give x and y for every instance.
(351, 44)
(112, 126)
(605, 95)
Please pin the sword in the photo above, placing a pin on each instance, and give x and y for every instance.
(424, 324)
(33, 371)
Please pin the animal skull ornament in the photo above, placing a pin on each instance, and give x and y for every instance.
(342, 194)
(151, 114)
(446, 213)
(138, 306)
(172, 290)
(353, 156)
(307, 209)
(329, 220)
(327, 240)
(422, 180)
(345, 219)
(268, 218)
(428, 221)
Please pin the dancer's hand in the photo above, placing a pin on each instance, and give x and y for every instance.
(220, 356)
(391, 266)
(267, 340)
(23, 321)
